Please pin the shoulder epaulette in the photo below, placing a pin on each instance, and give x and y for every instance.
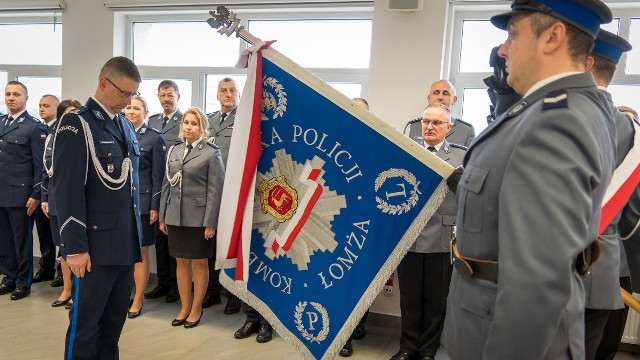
(79, 110)
(464, 122)
(213, 145)
(154, 130)
(156, 114)
(212, 114)
(555, 100)
(459, 146)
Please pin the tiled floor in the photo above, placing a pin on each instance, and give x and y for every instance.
(30, 329)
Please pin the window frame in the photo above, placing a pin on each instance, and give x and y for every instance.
(198, 74)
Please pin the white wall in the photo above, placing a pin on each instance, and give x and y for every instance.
(406, 57)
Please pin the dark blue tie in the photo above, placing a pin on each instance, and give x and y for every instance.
(165, 120)
(432, 149)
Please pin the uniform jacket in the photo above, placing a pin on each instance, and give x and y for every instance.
(461, 132)
(93, 218)
(602, 283)
(171, 131)
(47, 196)
(436, 235)
(197, 202)
(21, 149)
(151, 169)
(530, 198)
(220, 134)
(629, 228)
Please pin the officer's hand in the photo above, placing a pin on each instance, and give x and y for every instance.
(32, 205)
(79, 264)
(163, 227)
(45, 208)
(454, 179)
(209, 233)
(153, 216)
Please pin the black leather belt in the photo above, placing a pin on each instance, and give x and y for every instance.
(473, 268)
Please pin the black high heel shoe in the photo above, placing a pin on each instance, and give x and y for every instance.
(58, 303)
(134, 314)
(189, 324)
(178, 322)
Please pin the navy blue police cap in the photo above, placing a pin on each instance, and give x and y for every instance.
(586, 15)
(610, 46)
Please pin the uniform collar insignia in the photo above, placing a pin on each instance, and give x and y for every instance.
(20, 120)
(143, 130)
(518, 108)
(200, 146)
(98, 114)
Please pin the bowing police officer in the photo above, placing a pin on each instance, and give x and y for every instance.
(21, 147)
(95, 180)
(530, 196)
(605, 313)
(168, 122)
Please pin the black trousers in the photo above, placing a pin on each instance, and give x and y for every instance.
(253, 316)
(166, 265)
(100, 304)
(424, 287)
(47, 248)
(16, 247)
(614, 328)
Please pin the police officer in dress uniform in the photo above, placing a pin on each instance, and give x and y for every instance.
(150, 174)
(530, 196)
(220, 129)
(47, 110)
(168, 122)
(425, 272)
(21, 148)
(443, 92)
(605, 313)
(95, 179)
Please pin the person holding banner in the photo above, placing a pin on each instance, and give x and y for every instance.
(425, 272)
(605, 313)
(530, 197)
(189, 208)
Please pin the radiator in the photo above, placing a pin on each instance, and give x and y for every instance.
(631, 333)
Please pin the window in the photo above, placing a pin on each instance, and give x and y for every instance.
(473, 37)
(38, 86)
(149, 91)
(47, 37)
(315, 43)
(205, 57)
(153, 44)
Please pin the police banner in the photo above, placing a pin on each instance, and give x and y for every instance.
(321, 202)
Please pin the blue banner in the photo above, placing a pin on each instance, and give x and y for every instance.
(339, 199)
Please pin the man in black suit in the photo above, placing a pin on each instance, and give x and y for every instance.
(96, 156)
(168, 122)
(21, 148)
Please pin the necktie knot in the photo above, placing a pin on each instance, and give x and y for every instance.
(9, 120)
(432, 149)
(165, 120)
(189, 148)
(222, 117)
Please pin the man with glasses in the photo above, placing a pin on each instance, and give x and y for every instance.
(95, 179)
(461, 132)
(424, 273)
(21, 147)
(168, 122)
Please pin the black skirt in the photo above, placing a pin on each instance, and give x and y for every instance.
(148, 230)
(189, 243)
